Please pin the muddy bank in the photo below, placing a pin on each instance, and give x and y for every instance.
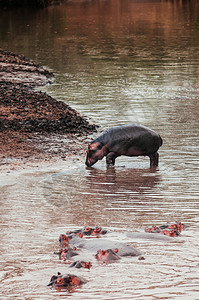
(33, 125)
(37, 3)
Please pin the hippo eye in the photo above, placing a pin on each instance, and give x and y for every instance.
(87, 229)
(60, 281)
(103, 252)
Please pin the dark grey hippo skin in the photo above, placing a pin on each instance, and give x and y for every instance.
(128, 140)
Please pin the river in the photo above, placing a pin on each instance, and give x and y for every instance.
(117, 62)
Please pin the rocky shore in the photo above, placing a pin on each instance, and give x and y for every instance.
(33, 125)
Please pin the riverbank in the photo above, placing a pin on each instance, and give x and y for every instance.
(33, 125)
(37, 3)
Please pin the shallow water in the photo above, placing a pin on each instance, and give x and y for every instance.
(117, 62)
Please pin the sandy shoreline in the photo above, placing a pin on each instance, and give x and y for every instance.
(34, 127)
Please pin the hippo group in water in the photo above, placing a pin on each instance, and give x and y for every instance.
(171, 229)
(128, 140)
(104, 249)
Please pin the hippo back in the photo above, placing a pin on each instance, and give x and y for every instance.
(121, 138)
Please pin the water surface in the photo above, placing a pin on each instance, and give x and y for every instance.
(117, 62)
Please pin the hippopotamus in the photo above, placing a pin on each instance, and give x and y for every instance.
(153, 229)
(81, 264)
(96, 231)
(96, 244)
(63, 241)
(147, 236)
(170, 232)
(128, 140)
(108, 255)
(169, 229)
(173, 225)
(66, 280)
(67, 253)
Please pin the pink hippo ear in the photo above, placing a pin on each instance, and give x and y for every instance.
(93, 146)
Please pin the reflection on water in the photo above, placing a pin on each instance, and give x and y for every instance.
(101, 189)
(118, 62)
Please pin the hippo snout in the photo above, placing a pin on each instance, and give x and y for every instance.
(89, 162)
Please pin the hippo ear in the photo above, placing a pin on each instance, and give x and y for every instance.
(93, 146)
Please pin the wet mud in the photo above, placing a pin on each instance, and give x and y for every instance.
(33, 125)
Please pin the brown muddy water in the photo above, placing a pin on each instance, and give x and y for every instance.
(118, 62)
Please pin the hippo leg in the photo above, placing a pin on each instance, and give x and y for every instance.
(110, 159)
(154, 158)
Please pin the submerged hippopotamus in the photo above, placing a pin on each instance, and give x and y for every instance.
(66, 280)
(171, 229)
(96, 231)
(129, 140)
(170, 232)
(81, 264)
(67, 253)
(178, 226)
(108, 255)
(147, 236)
(94, 245)
(63, 241)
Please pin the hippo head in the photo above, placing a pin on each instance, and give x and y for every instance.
(65, 280)
(98, 230)
(81, 264)
(87, 230)
(95, 152)
(107, 255)
(63, 240)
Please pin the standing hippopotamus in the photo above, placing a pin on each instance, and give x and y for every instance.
(129, 140)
